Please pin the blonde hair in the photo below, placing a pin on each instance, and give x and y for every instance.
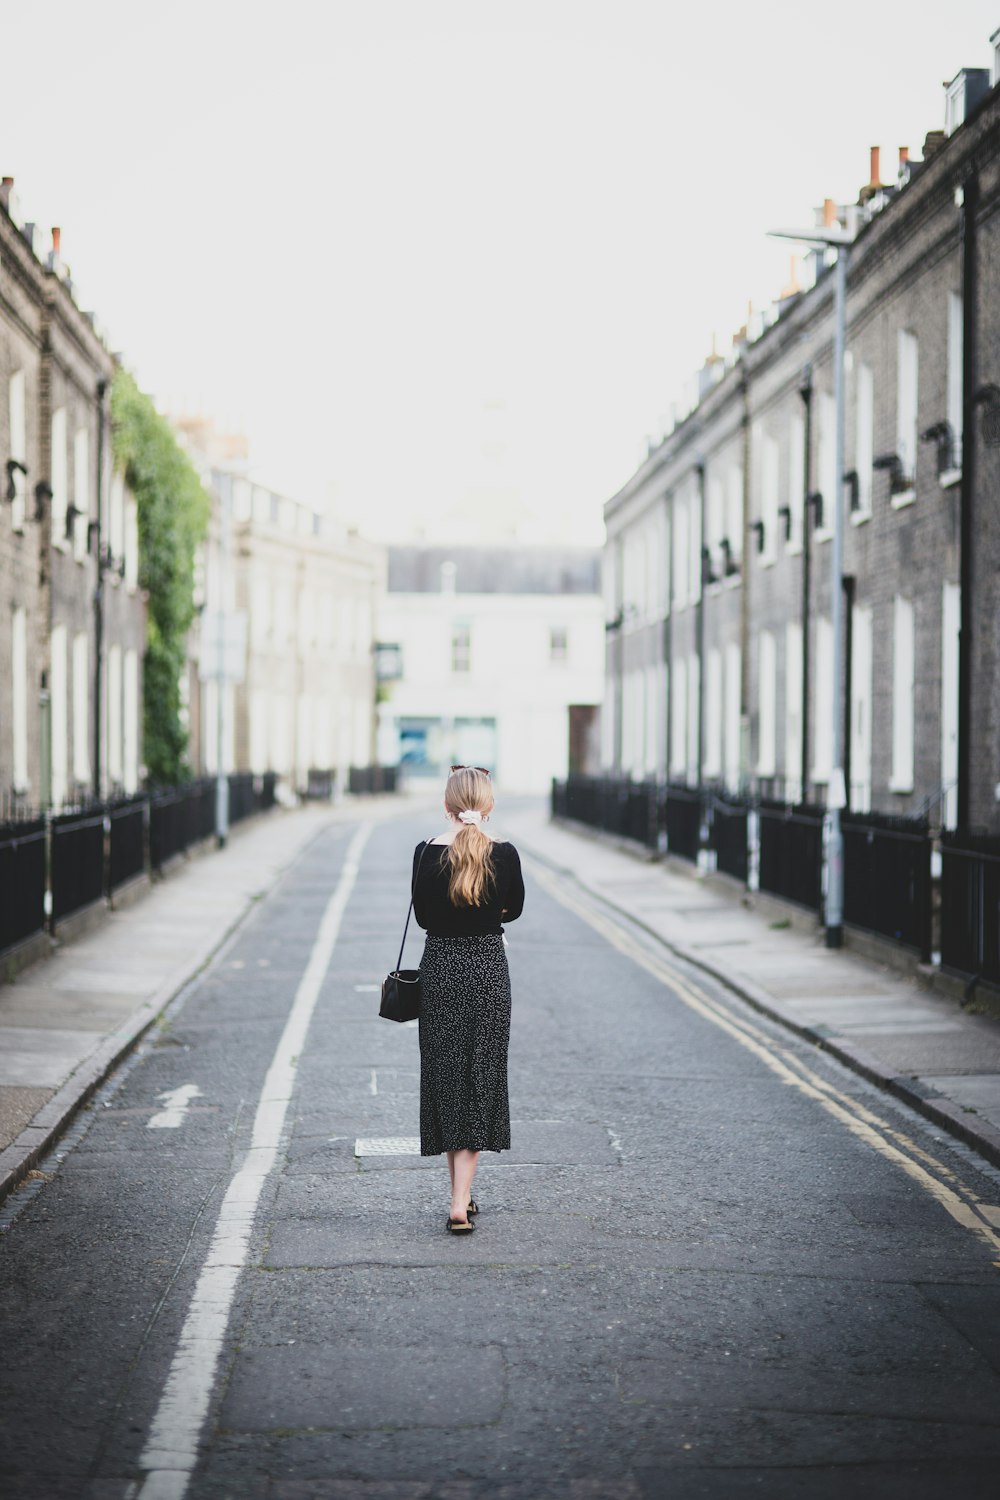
(470, 854)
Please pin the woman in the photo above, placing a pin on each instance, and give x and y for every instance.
(465, 884)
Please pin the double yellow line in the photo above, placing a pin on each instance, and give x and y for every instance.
(954, 1196)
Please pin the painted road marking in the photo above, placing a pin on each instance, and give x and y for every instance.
(954, 1196)
(373, 1082)
(388, 1145)
(172, 1447)
(176, 1104)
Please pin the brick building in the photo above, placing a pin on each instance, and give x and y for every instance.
(719, 652)
(73, 621)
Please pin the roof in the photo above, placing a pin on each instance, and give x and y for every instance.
(496, 570)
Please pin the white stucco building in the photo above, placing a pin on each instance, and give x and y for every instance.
(491, 656)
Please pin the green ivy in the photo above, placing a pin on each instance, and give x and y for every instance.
(173, 518)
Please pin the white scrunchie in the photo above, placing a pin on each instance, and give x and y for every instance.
(470, 815)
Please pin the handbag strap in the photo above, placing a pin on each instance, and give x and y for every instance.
(409, 914)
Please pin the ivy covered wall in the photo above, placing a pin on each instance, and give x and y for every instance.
(173, 518)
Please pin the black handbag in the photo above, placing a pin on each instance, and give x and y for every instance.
(401, 987)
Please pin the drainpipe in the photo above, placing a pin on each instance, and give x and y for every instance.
(967, 233)
(102, 386)
(806, 393)
(745, 760)
(668, 640)
(849, 583)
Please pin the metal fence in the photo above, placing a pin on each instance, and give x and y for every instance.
(970, 906)
(23, 848)
(629, 809)
(791, 852)
(368, 780)
(683, 819)
(728, 835)
(887, 878)
(76, 873)
(78, 858)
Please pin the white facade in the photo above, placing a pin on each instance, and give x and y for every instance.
(488, 679)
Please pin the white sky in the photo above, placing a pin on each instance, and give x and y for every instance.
(446, 259)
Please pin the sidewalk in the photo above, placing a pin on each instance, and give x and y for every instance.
(918, 1045)
(67, 1020)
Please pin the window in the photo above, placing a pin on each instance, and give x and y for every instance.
(59, 478)
(115, 714)
(654, 718)
(796, 478)
(558, 644)
(793, 712)
(826, 462)
(260, 613)
(59, 690)
(694, 541)
(680, 552)
(769, 497)
(951, 597)
(734, 509)
(906, 416)
(901, 779)
(956, 340)
(81, 710)
(823, 703)
(861, 710)
(767, 683)
(864, 441)
(712, 764)
(731, 726)
(694, 689)
(715, 529)
(678, 718)
(81, 492)
(18, 447)
(461, 648)
(19, 698)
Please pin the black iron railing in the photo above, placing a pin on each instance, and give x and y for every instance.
(791, 852)
(127, 841)
(684, 818)
(77, 874)
(629, 809)
(23, 852)
(970, 906)
(887, 878)
(368, 780)
(727, 835)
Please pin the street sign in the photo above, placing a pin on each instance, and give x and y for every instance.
(222, 648)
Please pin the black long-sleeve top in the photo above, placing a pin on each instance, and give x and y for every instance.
(503, 901)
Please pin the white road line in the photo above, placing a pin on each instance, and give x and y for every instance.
(176, 1105)
(373, 1082)
(172, 1446)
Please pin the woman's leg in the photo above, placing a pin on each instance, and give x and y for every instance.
(463, 1169)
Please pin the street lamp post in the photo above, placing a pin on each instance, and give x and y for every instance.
(835, 237)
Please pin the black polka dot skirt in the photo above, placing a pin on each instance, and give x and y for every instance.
(464, 1032)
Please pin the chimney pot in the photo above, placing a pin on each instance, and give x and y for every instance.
(6, 188)
(875, 179)
(56, 239)
(829, 212)
(904, 155)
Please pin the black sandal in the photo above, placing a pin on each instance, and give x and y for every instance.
(473, 1208)
(459, 1226)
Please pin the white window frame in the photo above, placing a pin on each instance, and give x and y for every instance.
(907, 392)
(678, 719)
(693, 710)
(59, 478)
(115, 745)
(19, 699)
(680, 551)
(694, 543)
(796, 471)
(59, 708)
(81, 492)
(903, 722)
(862, 705)
(81, 708)
(767, 708)
(18, 447)
(826, 463)
(793, 711)
(731, 717)
(116, 517)
(769, 498)
(712, 758)
(864, 441)
(823, 703)
(734, 511)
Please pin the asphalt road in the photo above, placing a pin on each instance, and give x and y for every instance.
(715, 1264)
